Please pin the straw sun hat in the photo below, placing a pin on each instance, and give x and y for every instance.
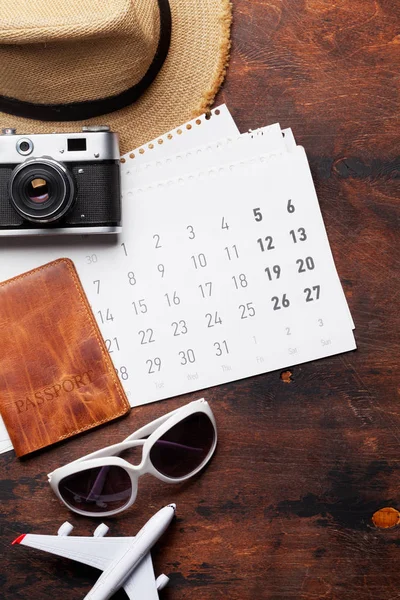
(140, 66)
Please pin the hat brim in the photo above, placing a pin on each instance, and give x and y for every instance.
(185, 87)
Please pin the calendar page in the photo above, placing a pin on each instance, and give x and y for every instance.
(232, 284)
(263, 141)
(221, 151)
(204, 129)
(219, 274)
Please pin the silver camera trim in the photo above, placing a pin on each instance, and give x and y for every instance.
(100, 146)
(57, 167)
(105, 229)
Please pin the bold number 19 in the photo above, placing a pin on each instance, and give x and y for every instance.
(275, 269)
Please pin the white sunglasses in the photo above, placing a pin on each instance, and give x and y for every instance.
(175, 447)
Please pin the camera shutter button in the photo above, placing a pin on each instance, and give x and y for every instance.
(95, 128)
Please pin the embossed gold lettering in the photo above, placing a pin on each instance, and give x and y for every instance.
(78, 381)
(29, 403)
(70, 383)
(48, 394)
(53, 392)
(39, 398)
(19, 404)
(88, 375)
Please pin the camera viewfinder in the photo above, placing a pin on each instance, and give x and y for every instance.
(76, 144)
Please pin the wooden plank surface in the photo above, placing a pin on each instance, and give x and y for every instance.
(284, 510)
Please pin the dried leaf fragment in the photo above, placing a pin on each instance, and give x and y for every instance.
(286, 376)
(386, 517)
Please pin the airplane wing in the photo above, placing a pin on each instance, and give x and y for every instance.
(142, 582)
(96, 552)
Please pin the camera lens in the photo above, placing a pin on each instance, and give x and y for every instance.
(38, 190)
(42, 190)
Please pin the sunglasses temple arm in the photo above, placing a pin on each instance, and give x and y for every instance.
(176, 445)
(98, 485)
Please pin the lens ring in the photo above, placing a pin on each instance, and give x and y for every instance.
(58, 185)
(185, 447)
(24, 146)
(103, 489)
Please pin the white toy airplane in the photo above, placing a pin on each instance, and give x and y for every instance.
(125, 561)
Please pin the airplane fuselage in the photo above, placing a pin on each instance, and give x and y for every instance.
(117, 573)
(124, 564)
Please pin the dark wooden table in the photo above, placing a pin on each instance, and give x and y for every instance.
(284, 509)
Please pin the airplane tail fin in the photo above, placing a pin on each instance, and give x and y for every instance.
(18, 540)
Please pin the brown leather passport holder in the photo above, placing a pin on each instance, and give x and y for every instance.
(56, 376)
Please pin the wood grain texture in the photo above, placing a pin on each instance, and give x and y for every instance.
(284, 511)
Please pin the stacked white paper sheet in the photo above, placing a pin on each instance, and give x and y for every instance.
(223, 269)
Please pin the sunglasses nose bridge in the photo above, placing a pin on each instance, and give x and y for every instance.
(144, 467)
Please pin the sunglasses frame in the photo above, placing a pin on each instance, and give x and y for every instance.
(108, 456)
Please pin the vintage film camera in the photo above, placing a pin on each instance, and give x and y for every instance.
(60, 183)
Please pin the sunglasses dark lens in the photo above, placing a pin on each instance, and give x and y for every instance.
(102, 489)
(184, 447)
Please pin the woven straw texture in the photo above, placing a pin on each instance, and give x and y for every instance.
(28, 21)
(65, 67)
(108, 49)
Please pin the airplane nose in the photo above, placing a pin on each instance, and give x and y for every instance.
(172, 506)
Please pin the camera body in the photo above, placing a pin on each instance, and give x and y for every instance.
(65, 183)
